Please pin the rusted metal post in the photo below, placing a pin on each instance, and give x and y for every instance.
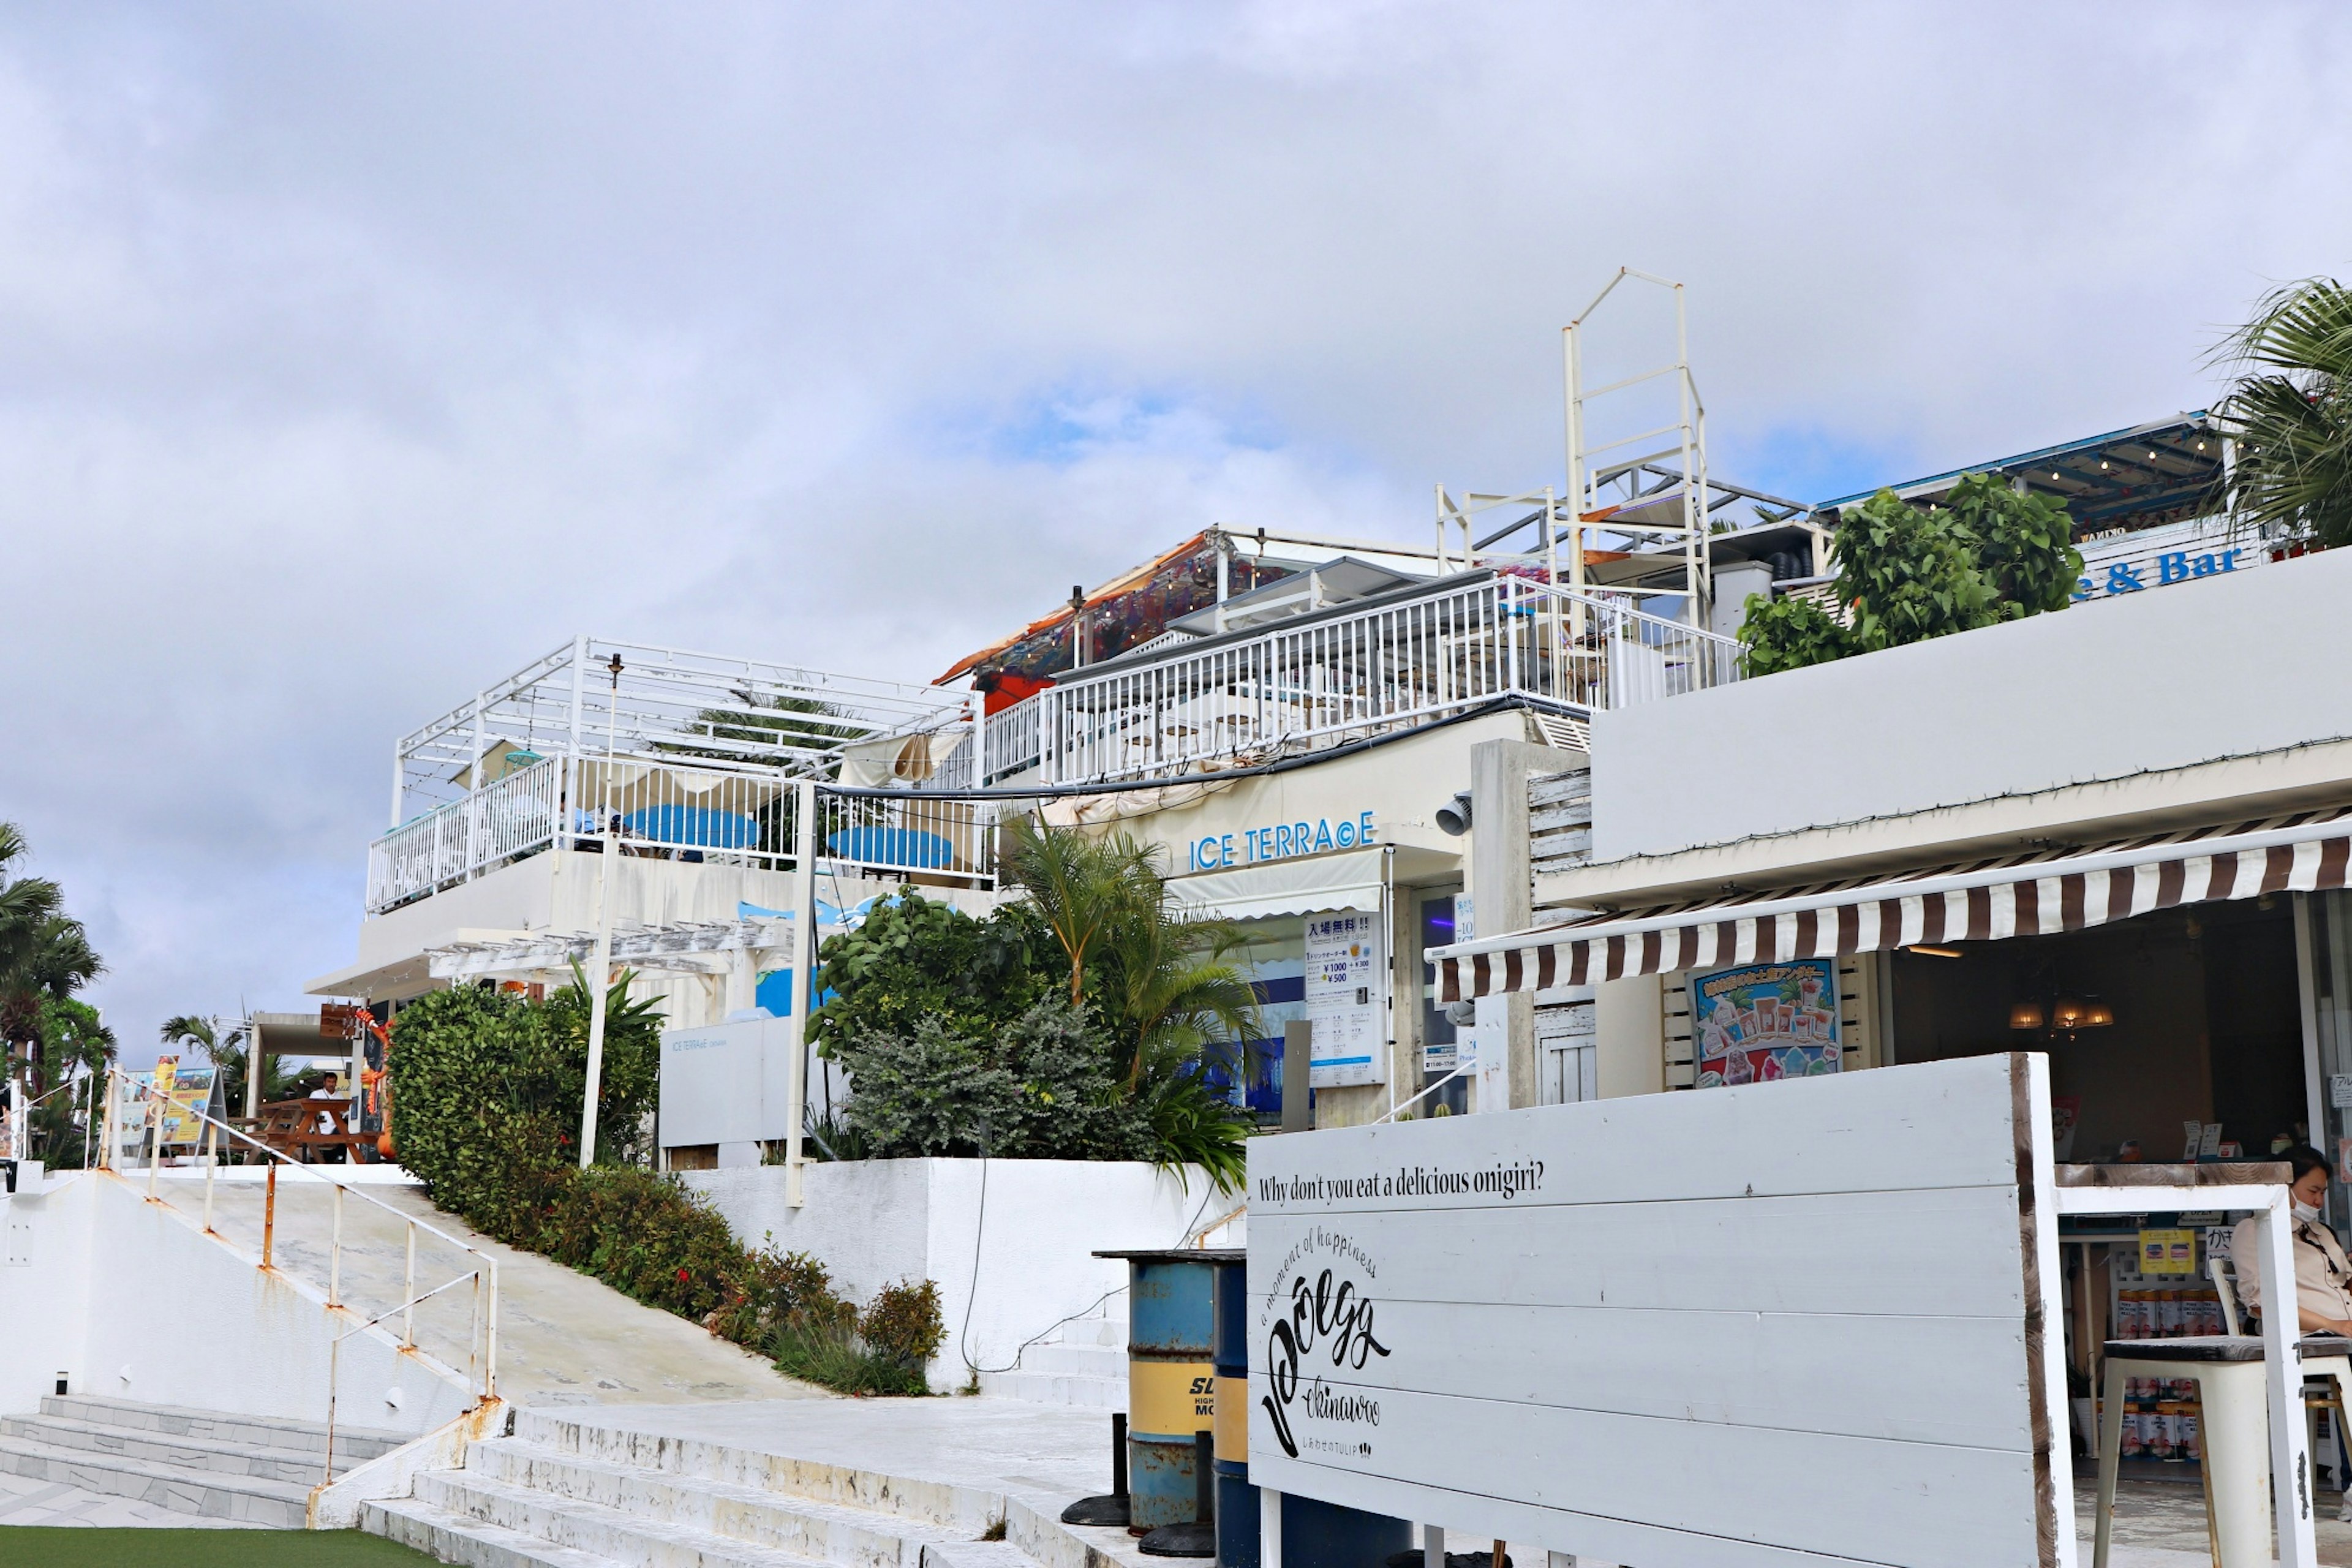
(408, 1294)
(212, 1158)
(268, 1212)
(335, 1256)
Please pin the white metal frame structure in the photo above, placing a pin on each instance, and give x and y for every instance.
(675, 754)
(1632, 495)
(1329, 678)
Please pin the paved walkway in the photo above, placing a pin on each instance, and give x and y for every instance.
(25, 1501)
(564, 1338)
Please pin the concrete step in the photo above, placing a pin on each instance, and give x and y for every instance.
(805, 1528)
(209, 1494)
(209, 1456)
(258, 1431)
(1056, 1388)
(1076, 1361)
(449, 1537)
(613, 1533)
(963, 1511)
(1111, 1331)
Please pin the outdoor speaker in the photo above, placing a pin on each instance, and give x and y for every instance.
(1453, 816)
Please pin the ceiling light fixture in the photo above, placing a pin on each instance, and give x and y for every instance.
(1935, 951)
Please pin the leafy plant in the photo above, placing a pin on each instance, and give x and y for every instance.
(2290, 413)
(911, 959)
(1908, 574)
(902, 1324)
(487, 1087)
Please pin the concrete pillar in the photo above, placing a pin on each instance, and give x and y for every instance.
(1630, 1036)
(1500, 882)
(1733, 581)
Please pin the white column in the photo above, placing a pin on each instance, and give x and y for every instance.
(804, 842)
(2290, 1480)
(1269, 1528)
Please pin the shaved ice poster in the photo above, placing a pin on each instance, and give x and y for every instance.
(1764, 1021)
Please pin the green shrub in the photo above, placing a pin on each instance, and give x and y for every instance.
(1045, 1087)
(486, 1089)
(902, 1324)
(911, 960)
(486, 1098)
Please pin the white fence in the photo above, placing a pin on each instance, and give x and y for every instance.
(674, 812)
(1345, 677)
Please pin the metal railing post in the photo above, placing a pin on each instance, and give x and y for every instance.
(335, 1253)
(408, 1293)
(268, 1212)
(154, 1143)
(490, 1349)
(212, 1160)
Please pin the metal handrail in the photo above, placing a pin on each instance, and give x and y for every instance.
(481, 1334)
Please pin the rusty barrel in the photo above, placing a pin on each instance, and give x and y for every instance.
(1171, 1379)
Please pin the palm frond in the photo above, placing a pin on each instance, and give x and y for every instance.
(2290, 414)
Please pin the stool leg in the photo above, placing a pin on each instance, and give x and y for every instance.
(2111, 1444)
(2237, 1461)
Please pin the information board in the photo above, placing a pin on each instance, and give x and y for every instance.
(1346, 998)
(1779, 1324)
(728, 1083)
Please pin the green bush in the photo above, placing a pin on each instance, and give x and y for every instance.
(486, 1089)
(911, 960)
(486, 1098)
(1045, 1087)
(902, 1324)
(883, 1350)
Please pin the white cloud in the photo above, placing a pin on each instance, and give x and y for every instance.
(356, 355)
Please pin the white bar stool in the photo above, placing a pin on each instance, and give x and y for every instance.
(2235, 1426)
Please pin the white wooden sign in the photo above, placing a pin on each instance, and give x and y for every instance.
(728, 1083)
(1346, 998)
(1783, 1323)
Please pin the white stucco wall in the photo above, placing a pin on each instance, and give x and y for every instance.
(2232, 665)
(875, 1222)
(135, 1302)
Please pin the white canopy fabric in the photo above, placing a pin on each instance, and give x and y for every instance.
(1983, 900)
(1348, 880)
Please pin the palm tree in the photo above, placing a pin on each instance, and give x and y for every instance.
(43, 955)
(1162, 983)
(2290, 413)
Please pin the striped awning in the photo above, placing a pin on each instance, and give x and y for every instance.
(1985, 900)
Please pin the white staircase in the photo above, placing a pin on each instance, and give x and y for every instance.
(562, 1494)
(250, 1469)
(1084, 1364)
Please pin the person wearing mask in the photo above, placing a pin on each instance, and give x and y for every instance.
(2323, 1276)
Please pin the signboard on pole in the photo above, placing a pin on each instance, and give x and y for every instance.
(1782, 1323)
(1346, 998)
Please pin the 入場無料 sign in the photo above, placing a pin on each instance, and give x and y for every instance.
(1347, 999)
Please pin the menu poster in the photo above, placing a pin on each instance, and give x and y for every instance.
(1766, 1021)
(185, 1091)
(1347, 999)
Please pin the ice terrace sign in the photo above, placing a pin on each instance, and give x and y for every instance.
(1795, 1322)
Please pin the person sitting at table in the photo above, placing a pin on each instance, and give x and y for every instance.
(2323, 1276)
(329, 1121)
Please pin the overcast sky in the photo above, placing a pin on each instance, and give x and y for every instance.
(355, 355)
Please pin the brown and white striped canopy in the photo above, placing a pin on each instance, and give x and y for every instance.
(1978, 901)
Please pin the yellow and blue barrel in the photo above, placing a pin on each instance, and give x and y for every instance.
(1170, 1381)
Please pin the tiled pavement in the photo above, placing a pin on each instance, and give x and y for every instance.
(27, 1501)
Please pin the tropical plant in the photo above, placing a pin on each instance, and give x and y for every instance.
(1908, 574)
(2290, 413)
(75, 1042)
(912, 959)
(488, 1085)
(44, 956)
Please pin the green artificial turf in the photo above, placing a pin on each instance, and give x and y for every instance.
(38, 1546)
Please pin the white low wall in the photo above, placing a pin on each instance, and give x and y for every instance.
(130, 1300)
(1008, 1268)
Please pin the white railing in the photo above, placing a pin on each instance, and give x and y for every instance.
(1009, 740)
(512, 816)
(678, 811)
(1343, 677)
(136, 1117)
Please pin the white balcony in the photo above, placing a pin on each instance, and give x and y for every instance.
(684, 756)
(1327, 678)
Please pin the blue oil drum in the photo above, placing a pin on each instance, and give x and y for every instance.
(1171, 1380)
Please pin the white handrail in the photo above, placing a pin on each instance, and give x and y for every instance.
(482, 1336)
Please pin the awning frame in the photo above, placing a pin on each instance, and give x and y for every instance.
(2019, 896)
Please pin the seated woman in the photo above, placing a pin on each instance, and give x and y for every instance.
(2323, 1277)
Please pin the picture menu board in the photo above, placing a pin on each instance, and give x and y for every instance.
(1766, 1021)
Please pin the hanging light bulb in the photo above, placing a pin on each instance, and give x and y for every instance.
(2026, 1016)
(2096, 1015)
